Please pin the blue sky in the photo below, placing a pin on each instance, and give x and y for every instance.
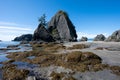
(90, 17)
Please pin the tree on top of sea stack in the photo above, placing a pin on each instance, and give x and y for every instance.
(42, 20)
(41, 33)
(61, 27)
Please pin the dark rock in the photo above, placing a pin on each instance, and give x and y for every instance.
(114, 37)
(12, 46)
(37, 42)
(41, 34)
(84, 39)
(100, 37)
(4, 49)
(24, 42)
(61, 28)
(25, 37)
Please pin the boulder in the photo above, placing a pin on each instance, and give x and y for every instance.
(100, 37)
(115, 37)
(41, 34)
(24, 37)
(61, 28)
(84, 39)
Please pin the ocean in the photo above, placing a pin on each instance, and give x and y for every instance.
(4, 44)
(90, 39)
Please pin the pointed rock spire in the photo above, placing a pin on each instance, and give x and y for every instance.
(61, 27)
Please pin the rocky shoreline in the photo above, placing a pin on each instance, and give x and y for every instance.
(53, 53)
(67, 61)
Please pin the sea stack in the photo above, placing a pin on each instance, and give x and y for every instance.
(24, 37)
(83, 39)
(115, 37)
(41, 34)
(61, 27)
(100, 37)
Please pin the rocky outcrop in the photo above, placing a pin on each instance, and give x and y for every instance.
(100, 37)
(41, 34)
(11, 72)
(84, 39)
(24, 37)
(114, 37)
(61, 28)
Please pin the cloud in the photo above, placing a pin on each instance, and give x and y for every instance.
(14, 28)
(89, 35)
(13, 24)
(8, 31)
(8, 37)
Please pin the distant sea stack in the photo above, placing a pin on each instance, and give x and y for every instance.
(83, 39)
(24, 37)
(61, 27)
(115, 37)
(41, 34)
(100, 37)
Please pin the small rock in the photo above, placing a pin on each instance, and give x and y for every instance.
(84, 39)
(31, 78)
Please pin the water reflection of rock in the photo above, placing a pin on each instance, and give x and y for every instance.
(16, 48)
(13, 48)
(3, 57)
(22, 48)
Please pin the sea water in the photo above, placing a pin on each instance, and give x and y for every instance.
(90, 39)
(4, 44)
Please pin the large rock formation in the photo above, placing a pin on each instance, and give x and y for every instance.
(24, 37)
(100, 37)
(84, 39)
(114, 37)
(61, 28)
(41, 34)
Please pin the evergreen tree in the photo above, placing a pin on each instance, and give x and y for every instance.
(42, 20)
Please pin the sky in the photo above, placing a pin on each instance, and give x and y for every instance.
(90, 17)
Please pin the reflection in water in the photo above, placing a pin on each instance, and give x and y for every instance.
(4, 44)
(3, 57)
(31, 57)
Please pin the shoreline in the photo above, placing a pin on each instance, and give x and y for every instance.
(104, 50)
